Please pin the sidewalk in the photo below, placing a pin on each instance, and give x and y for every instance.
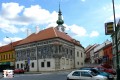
(90, 65)
(41, 72)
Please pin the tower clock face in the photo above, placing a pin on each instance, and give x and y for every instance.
(60, 28)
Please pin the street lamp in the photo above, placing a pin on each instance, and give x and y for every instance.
(10, 40)
(117, 56)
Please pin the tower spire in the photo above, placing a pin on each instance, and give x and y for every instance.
(60, 22)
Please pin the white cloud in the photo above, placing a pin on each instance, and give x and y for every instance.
(94, 34)
(2, 44)
(79, 31)
(38, 15)
(23, 29)
(8, 28)
(51, 25)
(10, 39)
(22, 16)
(11, 10)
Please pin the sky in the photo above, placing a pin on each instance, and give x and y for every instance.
(84, 19)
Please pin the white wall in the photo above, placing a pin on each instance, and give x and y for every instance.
(35, 65)
(45, 68)
(66, 63)
(102, 45)
(79, 59)
(20, 62)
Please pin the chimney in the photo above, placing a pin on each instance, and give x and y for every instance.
(37, 29)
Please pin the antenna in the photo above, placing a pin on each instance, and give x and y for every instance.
(28, 32)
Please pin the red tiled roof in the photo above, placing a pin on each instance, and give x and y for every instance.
(5, 48)
(45, 34)
(48, 33)
(9, 46)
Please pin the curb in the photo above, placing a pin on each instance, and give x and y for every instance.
(49, 71)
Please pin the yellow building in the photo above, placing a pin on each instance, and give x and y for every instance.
(7, 56)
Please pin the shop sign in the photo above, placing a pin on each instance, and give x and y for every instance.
(109, 29)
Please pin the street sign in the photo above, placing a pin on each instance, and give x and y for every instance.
(109, 29)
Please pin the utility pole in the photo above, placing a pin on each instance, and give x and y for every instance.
(117, 54)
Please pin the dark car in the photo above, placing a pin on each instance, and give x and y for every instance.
(99, 72)
(109, 70)
(18, 71)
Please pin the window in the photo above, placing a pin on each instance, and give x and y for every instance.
(77, 54)
(17, 65)
(78, 63)
(63, 61)
(21, 65)
(48, 64)
(81, 63)
(81, 54)
(32, 64)
(76, 73)
(67, 51)
(67, 61)
(71, 52)
(86, 74)
(42, 64)
(4, 57)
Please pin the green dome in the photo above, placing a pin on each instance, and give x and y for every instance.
(60, 22)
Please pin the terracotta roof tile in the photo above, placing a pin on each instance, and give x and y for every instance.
(48, 33)
(9, 46)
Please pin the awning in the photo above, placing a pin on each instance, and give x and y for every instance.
(5, 63)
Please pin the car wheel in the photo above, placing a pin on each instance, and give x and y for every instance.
(68, 79)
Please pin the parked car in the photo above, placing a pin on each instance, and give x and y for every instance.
(99, 72)
(84, 75)
(18, 71)
(109, 70)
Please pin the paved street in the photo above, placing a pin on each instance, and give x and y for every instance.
(60, 75)
(43, 76)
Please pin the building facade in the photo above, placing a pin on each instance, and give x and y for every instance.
(114, 45)
(7, 56)
(49, 50)
(55, 52)
(108, 53)
(99, 52)
(90, 55)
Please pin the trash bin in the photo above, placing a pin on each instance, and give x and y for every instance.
(8, 74)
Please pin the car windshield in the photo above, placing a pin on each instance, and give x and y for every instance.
(95, 71)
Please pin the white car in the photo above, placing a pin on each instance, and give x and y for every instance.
(84, 75)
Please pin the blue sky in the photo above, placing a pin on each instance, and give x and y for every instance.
(84, 19)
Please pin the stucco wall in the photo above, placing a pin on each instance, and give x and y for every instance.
(79, 60)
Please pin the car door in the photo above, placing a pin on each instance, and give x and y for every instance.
(76, 75)
(86, 76)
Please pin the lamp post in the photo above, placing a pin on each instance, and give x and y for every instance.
(10, 40)
(117, 56)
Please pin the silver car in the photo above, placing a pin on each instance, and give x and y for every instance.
(84, 75)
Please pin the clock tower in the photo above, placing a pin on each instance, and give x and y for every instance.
(60, 22)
